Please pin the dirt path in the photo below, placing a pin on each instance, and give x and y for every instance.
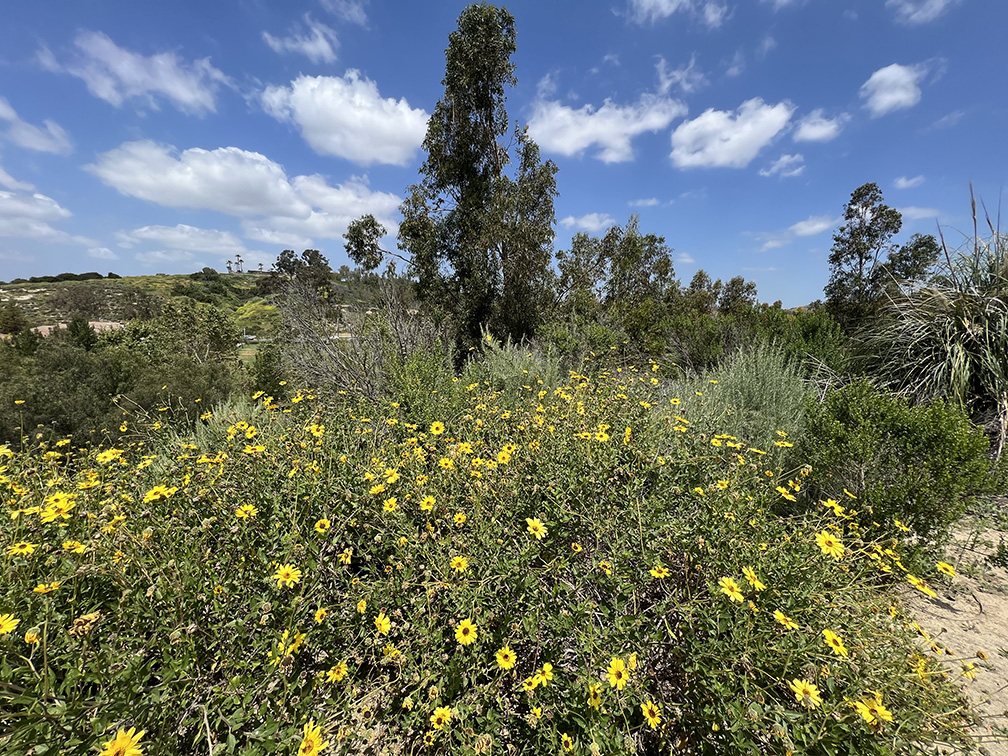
(971, 620)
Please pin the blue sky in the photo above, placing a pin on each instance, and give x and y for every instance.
(161, 137)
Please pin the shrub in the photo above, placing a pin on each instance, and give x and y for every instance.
(916, 464)
(297, 563)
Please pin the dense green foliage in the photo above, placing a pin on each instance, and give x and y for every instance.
(586, 566)
(910, 466)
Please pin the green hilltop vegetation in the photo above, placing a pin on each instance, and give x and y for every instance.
(508, 499)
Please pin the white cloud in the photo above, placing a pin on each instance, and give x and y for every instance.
(102, 253)
(814, 224)
(717, 138)
(547, 86)
(949, 120)
(184, 237)
(351, 11)
(319, 43)
(908, 183)
(710, 12)
(811, 226)
(687, 78)
(649, 202)
(227, 179)
(892, 88)
(611, 128)
(767, 44)
(50, 139)
(919, 11)
(816, 127)
(785, 165)
(592, 222)
(9, 182)
(919, 213)
(347, 117)
(164, 257)
(736, 66)
(274, 208)
(684, 258)
(116, 75)
(28, 216)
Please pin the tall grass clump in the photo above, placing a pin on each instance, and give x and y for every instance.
(591, 568)
(949, 339)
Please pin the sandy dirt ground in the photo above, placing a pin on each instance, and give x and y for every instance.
(970, 618)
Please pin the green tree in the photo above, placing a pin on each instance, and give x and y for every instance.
(480, 240)
(864, 262)
(311, 268)
(12, 319)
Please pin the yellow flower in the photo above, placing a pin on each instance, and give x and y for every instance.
(921, 586)
(459, 563)
(391, 503)
(617, 674)
(322, 525)
(23, 547)
(382, 623)
(659, 571)
(946, 569)
(806, 693)
(125, 743)
(576, 547)
(32, 637)
(830, 544)
(546, 674)
(506, 658)
(466, 632)
(441, 717)
(427, 503)
(783, 619)
(311, 741)
(459, 519)
(437, 428)
(320, 615)
(969, 670)
(566, 742)
(536, 528)
(730, 589)
(606, 567)
(594, 695)
(834, 642)
(158, 493)
(245, 511)
(446, 464)
(337, 673)
(8, 623)
(754, 581)
(361, 606)
(287, 575)
(652, 714)
(47, 587)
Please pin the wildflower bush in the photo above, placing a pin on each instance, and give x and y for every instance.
(915, 468)
(588, 567)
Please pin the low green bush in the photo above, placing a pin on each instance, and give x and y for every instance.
(909, 466)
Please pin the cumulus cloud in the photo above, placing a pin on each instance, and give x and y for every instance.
(710, 12)
(117, 75)
(686, 78)
(29, 216)
(347, 117)
(591, 222)
(608, 131)
(102, 253)
(52, 138)
(722, 139)
(227, 179)
(908, 183)
(785, 165)
(318, 43)
(184, 237)
(816, 127)
(894, 87)
(273, 207)
(919, 11)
